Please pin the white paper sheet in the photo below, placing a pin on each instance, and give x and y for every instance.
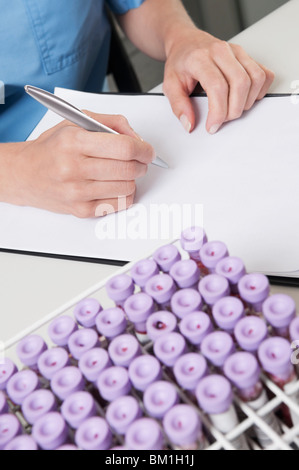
(241, 183)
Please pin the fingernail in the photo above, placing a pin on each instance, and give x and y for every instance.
(185, 123)
(214, 128)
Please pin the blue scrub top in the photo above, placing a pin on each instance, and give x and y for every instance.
(49, 43)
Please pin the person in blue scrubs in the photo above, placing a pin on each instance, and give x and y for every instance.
(65, 43)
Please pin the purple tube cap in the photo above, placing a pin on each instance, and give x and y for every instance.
(161, 287)
(160, 323)
(185, 301)
(61, 329)
(189, 369)
(122, 412)
(10, 427)
(193, 238)
(275, 356)
(214, 394)
(81, 341)
(182, 425)
(143, 371)
(7, 370)
(138, 307)
(250, 332)
(159, 397)
(279, 310)
(22, 384)
(67, 381)
(38, 404)
(227, 312)
(94, 434)
(169, 347)
(143, 270)
(242, 369)
(232, 268)
(212, 252)
(86, 311)
(52, 360)
(77, 407)
(3, 403)
(294, 330)
(67, 447)
(123, 349)
(50, 431)
(114, 382)
(111, 322)
(185, 273)
(213, 287)
(166, 256)
(144, 434)
(30, 348)
(254, 287)
(195, 327)
(217, 347)
(21, 443)
(120, 287)
(93, 362)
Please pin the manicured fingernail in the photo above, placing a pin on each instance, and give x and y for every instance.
(185, 123)
(214, 128)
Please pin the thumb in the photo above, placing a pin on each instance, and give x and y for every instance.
(180, 102)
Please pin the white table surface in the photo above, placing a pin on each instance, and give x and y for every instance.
(32, 287)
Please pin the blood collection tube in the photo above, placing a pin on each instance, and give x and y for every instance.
(111, 322)
(67, 447)
(211, 253)
(185, 301)
(160, 323)
(37, 404)
(78, 407)
(192, 240)
(227, 312)
(169, 347)
(159, 397)
(93, 362)
(186, 274)
(275, 358)
(161, 288)
(213, 288)
(52, 360)
(119, 288)
(279, 310)
(294, 337)
(123, 349)
(144, 434)
(67, 381)
(166, 256)
(3, 404)
(188, 370)
(233, 269)
(21, 384)
(250, 332)
(121, 413)
(29, 350)
(94, 434)
(243, 370)
(183, 428)
(138, 308)
(7, 370)
(81, 341)
(60, 329)
(23, 442)
(142, 271)
(10, 427)
(215, 397)
(50, 431)
(195, 327)
(217, 347)
(86, 311)
(254, 288)
(143, 371)
(114, 382)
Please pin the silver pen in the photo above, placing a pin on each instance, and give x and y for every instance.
(73, 114)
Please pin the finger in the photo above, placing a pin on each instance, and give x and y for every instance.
(109, 206)
(270, 76)
(118, 123)
(100, 169)
(95, 190)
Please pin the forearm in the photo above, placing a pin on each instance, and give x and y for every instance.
(155, 25)
(8, 179)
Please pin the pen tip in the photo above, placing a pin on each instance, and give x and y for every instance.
(159, 162)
